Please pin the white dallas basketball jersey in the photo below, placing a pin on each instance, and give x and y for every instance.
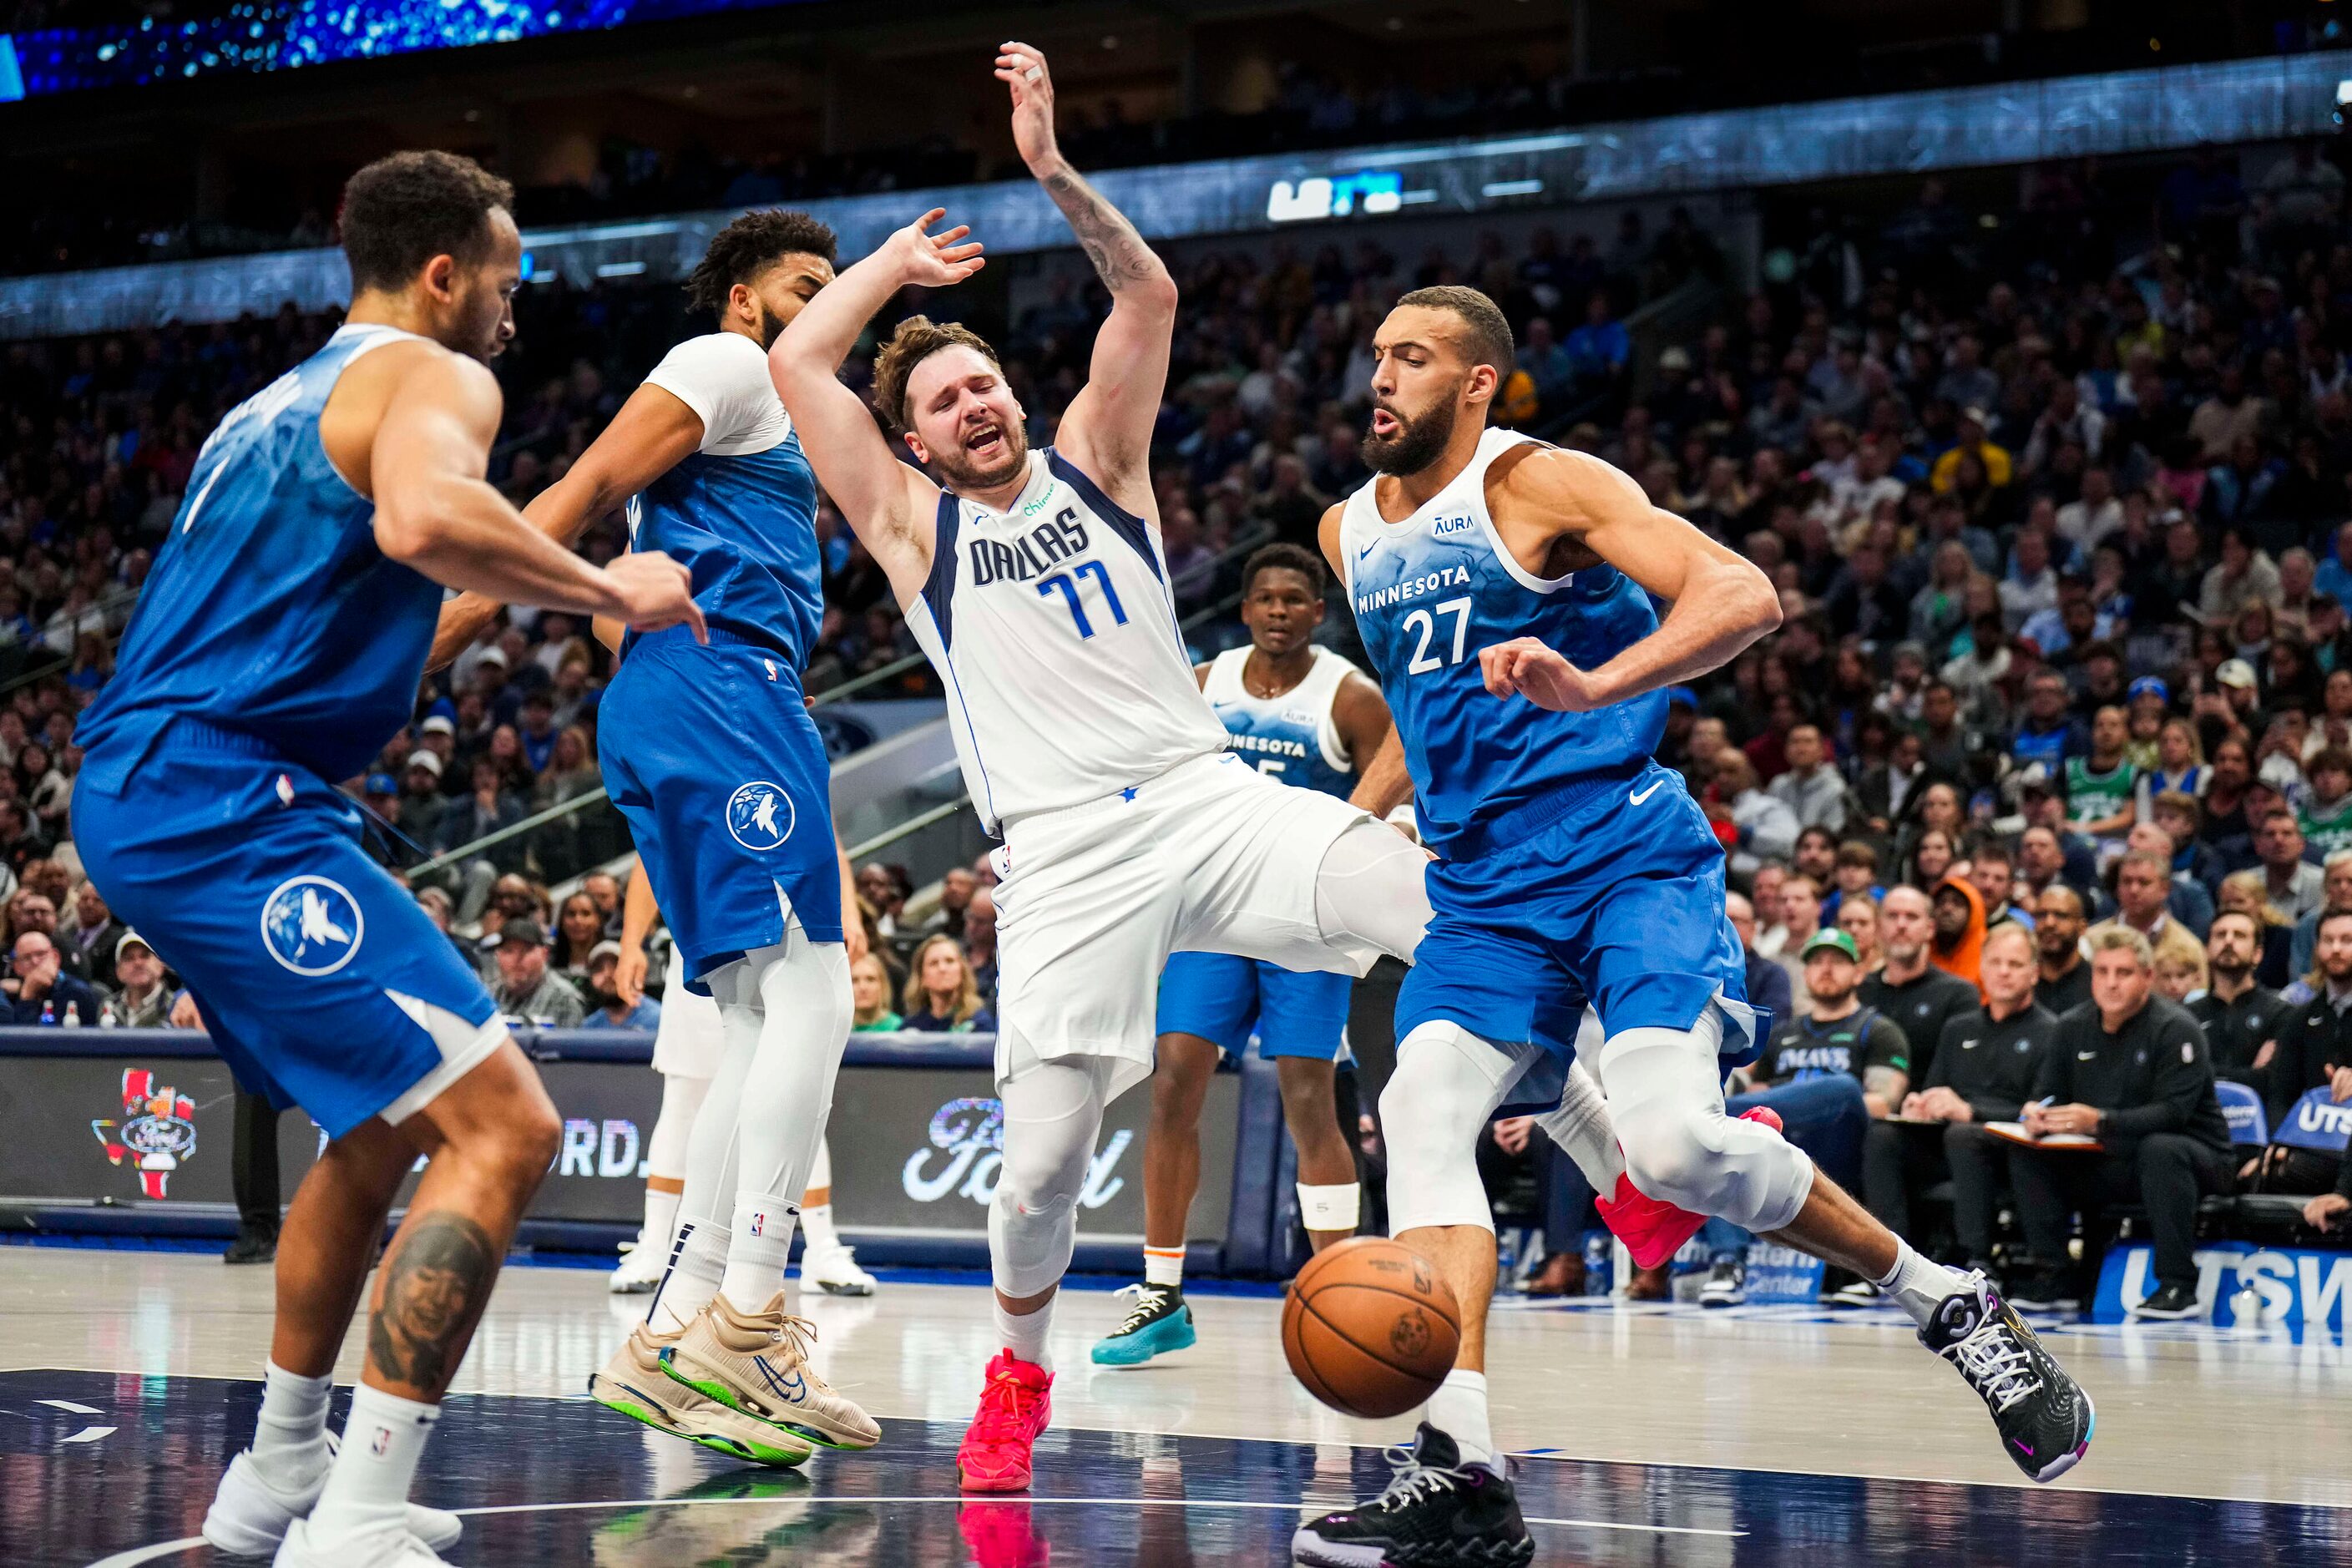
(1052, 625)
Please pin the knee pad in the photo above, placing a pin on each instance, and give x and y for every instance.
(1443, 1092)
(1053, 1109)
(1667, 1099)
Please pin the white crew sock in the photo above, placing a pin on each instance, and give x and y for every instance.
(1164, 1266)
(289, 1442)
(758, 1251)
(1918, 1286)
(698, 1260)
(1024, 1334)
(367, 1489)
(817, 1225)
(661, 1220)
(1458, 1409)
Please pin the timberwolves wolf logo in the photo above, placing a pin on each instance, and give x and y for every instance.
(311, 925)
(759, 816)
(156, 1134)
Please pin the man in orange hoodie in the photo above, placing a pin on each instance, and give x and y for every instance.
(1959, 927)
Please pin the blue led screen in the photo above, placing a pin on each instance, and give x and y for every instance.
(280, 35)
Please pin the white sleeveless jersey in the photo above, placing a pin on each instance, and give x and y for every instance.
(1293, 737)
(1052, 628)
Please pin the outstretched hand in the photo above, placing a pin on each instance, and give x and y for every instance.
(1525, 667)
(656, 592)
(935, 260)
(1022, 68)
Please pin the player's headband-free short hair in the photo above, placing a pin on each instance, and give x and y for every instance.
(917, 340)
(402, 211)
(1285, 557)
(1487, 336)
(748, 247)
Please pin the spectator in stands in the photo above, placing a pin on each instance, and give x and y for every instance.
(1801, 916)
(2184, 899)
(956, 889)
(1994, 878)
(979, 941)
(527, 989)
(2099, 801)
(2244, 893)
(1911, 990)
(1599, 350)
(1984, 1070)
(1826, 1073)
(89, 940)
(578, 929)
(2182, 819)
(2063, 981)
(1857, 916)
(33, 910)
(1812, 790)
(144, 1002)
(605, 1008)
(1767, 984)
(2143, 892)
(2314, 1040)
(2049, 733)
(2241, 1018)
(2295, 885)
(2131, 1071)
(1958, 910)
(941, 996)
(883, 886)
(1754, 824)
(2335, 893)
(40, 991)
(869, 996)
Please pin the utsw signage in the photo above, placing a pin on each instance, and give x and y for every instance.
(2290, 1287)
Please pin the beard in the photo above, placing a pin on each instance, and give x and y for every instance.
(957, 474)
(1416, 445)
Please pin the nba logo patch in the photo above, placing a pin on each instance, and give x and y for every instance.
(759, 1224)
(381, 1441)
(311, 925)
(759, 816)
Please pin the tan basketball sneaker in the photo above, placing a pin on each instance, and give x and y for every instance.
(633, 1384)
(758, 1363)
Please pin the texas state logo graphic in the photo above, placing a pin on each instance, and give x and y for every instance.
(156, 1134)
(311, 925)
(759, 816)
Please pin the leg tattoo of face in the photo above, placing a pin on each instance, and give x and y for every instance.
(434, 1286)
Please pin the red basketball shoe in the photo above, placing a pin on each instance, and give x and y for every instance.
(1013, 1408)
(1652, 1230)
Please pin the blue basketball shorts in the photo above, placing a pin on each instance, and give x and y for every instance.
(1618, 903)
(1224, 999)
(323, 983)
(711, 756)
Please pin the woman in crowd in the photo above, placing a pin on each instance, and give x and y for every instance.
(2180, 766)
(869, 997)
(1857, 916)
(1931, 855)
(942, 995)
(577, 931)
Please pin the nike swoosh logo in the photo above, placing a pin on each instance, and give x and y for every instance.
(1367, 548)
(1639, 796)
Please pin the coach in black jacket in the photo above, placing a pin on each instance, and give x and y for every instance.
(2133, 1071)
(1984, 1070)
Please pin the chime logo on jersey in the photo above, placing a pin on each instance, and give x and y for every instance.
(311, 925)
(759, 816)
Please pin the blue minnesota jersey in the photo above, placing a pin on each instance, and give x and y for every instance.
(1291, 737)
(270, 610)
(1429, 593)
(740, 514)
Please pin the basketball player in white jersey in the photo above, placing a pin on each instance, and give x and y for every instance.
(1034, 581)
(690, 1045)
(1305, 715)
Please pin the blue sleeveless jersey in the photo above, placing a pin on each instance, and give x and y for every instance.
(270, 610)
(1290, 738)
(1432, 590)
(740, 514)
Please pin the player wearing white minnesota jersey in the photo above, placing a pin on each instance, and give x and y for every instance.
(1035, 583)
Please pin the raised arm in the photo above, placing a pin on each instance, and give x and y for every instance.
(653, 433)
(887, 504)
(435, 510)
(1106, 430)
(1718, 603)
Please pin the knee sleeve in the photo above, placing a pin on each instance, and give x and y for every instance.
(681, 1102)
(1370, 890)
(1053, 1111)
(788, 1006)
(1665, 1095)
(1445, 1090)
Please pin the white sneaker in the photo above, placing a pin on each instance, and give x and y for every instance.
(249, 1517)
(372, 1549)
(641, 1269)
(834, 1270)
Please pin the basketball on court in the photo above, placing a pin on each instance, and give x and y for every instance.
(1369, 1327)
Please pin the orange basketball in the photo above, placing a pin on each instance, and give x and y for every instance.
(1369, 1327)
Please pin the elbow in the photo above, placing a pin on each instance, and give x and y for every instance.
(1153, 294)
(405, 533)
(1760, 602)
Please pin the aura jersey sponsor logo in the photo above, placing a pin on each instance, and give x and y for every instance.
(1446, 525)
(1029, 557)
(971, 1134)
(156, 1134)
(1410, 588)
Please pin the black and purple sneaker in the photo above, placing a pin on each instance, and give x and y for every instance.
(2046, 1418)
(1437, 1512)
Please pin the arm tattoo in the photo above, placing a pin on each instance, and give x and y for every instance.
(433, 1289)
(1118, 253)
(1882, 1081)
